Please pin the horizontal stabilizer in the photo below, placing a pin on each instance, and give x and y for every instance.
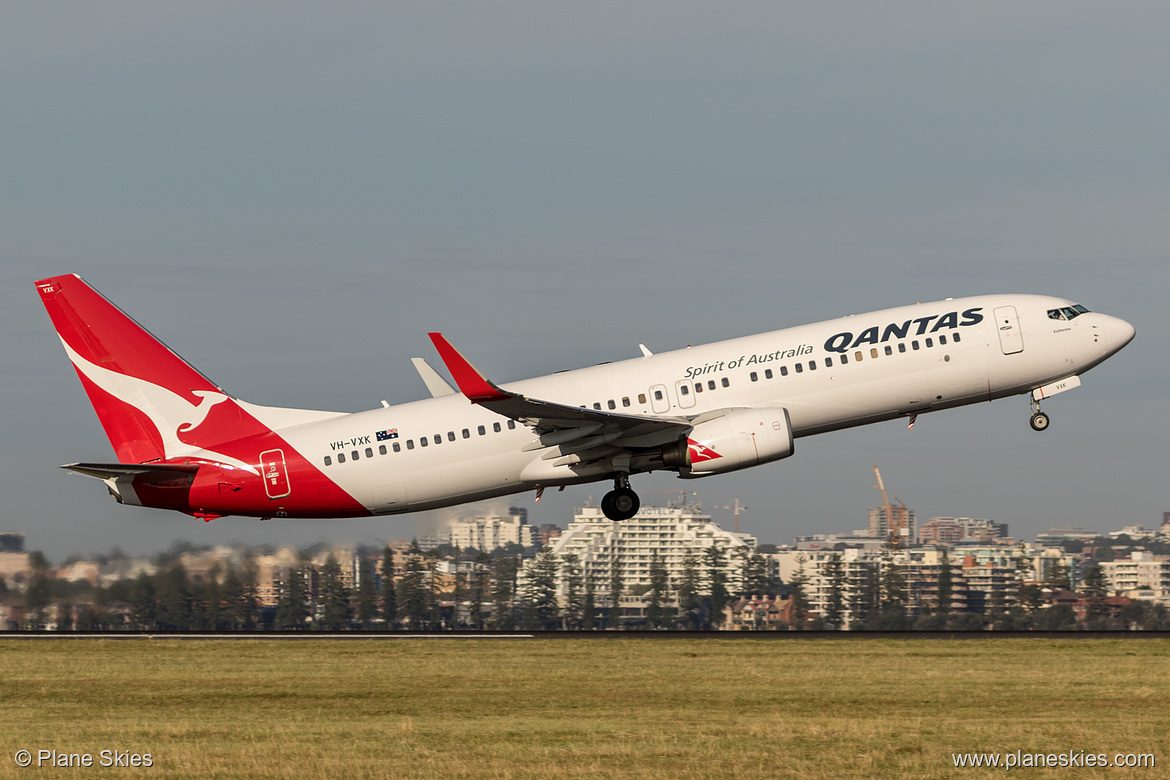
(115, 470)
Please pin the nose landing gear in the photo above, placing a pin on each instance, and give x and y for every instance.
(621, 503)
(1039, 421)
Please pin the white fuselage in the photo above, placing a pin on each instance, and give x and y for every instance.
(829, 375)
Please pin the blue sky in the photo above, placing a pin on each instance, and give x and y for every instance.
(291, 196)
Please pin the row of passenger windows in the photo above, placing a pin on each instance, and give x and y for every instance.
(858, 356)
(659, 395)
(799, 368)
(684, 390)
(422, 442)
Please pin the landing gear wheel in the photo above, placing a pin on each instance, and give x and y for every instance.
(1039, 421)
(620, 504)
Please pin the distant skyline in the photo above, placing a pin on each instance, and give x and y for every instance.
(292, 196)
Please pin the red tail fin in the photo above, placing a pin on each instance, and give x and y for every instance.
(145, 395)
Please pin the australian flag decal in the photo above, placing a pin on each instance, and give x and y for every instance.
(390, 433)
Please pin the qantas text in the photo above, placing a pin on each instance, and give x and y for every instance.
(843, 342)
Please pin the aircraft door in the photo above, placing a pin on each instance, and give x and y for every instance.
(686, 398)
(275, 473)
(1011, 340)
(659, 401)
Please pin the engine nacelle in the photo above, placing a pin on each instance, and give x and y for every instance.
(736, 440)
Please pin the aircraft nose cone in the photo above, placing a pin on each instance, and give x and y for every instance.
(1119, 333)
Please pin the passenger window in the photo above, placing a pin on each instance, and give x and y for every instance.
(511, 425)
(353, 455)
(611, 404)
(710, 384)
(626, 401)
(828, 362)
(450, 435)
(767, 373)
(901, 347)
(328, 461)
(955, 337)
(873, 353)
(783, 370)
(657, 395)
(641, 398)
(397, 447)
(597, 406)
(754, 377)
(799, 367)
(844, 358)
(410, 444)
(496, 427)
(439, 438)
(725, 382)
(481, 430)
(889, 350)
(422, 442)
(812, 365)
(930, 342)
(341, 457)
(857, 356)
(369, 452)
(942, 339)
(466, 434)
(381, 449)
(698, 387)
(914, 345)
(684, 390)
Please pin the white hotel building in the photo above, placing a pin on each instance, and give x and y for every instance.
(670, 532)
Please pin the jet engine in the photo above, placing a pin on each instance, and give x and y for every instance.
(736, 440)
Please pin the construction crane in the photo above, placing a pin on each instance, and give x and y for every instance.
(897, 516)
(738, 508)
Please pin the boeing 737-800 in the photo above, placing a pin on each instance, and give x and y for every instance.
(185, 444)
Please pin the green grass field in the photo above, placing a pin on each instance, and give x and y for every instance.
(564, 708)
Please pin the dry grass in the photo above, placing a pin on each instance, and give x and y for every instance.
(563, 708)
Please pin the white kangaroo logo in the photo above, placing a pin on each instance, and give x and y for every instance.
(162, 406)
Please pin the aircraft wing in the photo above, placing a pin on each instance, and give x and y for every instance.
(546, 417)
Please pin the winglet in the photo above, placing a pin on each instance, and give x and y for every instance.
(473, 384)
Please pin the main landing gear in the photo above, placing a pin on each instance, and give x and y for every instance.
(1039, 421)
(621, 503)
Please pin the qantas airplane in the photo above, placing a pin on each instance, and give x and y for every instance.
(183, 443)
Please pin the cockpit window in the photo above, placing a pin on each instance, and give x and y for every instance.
(1067, 312)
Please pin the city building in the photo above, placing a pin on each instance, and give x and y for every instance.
(839, 541)
(489, 532)
(961, 530)
(12, 542)
(880, 523)
(669, 533)
(1057, 535)
(1142, 575)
